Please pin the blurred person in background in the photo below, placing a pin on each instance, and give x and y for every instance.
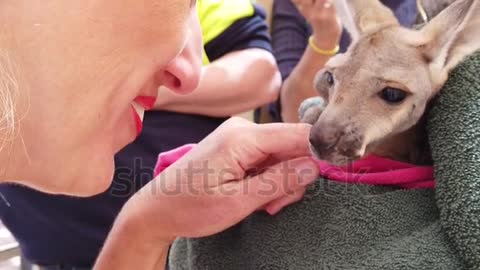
(305, 34)
(239, 74)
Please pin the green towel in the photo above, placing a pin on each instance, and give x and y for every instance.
(454, 134)
(345, 226)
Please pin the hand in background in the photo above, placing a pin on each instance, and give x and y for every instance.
(322, 16)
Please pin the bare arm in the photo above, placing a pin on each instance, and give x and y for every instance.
(127, 248)
(237, 82)
(190, 203)
(298, 86)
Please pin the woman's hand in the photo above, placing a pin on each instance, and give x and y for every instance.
(322, 16)
(238, 169)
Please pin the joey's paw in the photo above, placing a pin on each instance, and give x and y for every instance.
(310, 110)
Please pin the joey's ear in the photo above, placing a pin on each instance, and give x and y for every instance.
(451, 36)
(361, 16)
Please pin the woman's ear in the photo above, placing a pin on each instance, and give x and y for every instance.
(451, 36)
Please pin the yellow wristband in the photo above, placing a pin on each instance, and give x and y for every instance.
(321, 51)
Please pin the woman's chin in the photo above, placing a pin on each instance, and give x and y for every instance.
(86, 181)
(98, 181)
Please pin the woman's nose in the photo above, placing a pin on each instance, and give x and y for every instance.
(182, 74)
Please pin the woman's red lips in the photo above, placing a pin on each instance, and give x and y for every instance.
(138, 121)
(146, 102)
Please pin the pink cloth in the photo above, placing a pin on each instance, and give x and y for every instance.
(166, 159)
(372, 170)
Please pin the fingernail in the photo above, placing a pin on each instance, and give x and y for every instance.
(307, 172)
(272, 211)
(327, 4)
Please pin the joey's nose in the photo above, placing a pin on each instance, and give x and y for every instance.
(324, 140)
(322, 143)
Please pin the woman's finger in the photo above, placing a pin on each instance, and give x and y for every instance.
(278, 181)
(276, 206)
(284, 139)
(273, 141)
(323, 4)
(324, 10)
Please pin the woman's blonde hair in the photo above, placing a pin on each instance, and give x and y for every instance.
(8, 94)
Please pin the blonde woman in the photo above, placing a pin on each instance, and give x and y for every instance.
(76, 78)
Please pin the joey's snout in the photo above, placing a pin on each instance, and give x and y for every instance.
(335, 143)
(334, 137)
(324, 139)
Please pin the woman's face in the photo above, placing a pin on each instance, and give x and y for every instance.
(86, 72)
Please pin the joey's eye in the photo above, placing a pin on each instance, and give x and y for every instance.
(393, 95)
(328, 76)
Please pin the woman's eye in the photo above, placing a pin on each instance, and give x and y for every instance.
(393, 95)
(329, 78)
